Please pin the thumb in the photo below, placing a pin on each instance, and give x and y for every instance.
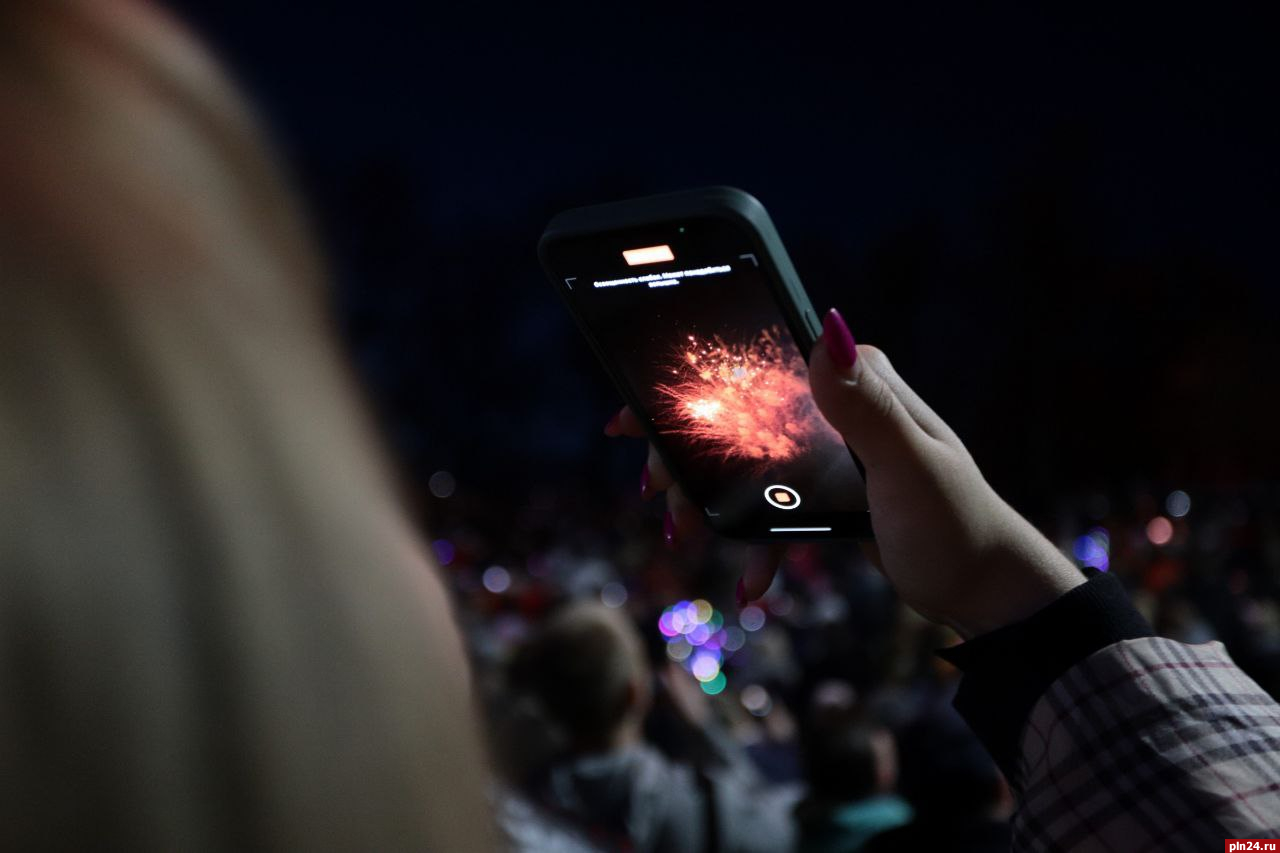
(856, 399)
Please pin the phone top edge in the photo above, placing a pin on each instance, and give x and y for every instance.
(648, 210)
(723, 201)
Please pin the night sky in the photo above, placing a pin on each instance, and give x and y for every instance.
(1059, 226)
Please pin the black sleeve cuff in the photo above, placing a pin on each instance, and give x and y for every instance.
(1008, 670)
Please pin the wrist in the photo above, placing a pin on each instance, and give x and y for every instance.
(1014, 594)
(1007, 670)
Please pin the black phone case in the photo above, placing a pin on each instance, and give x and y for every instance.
(724, 202)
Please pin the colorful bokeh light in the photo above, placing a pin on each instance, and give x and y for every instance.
(1160, 530)
(1094, 549)
(705, 666)
(1178, 503)
(613, 594)
(496, 579)
(715, 685)
(702, 611)
(751, 618)
(756, 700)
(734, 639)
(679, 650)
(445, 552)
(697, 639)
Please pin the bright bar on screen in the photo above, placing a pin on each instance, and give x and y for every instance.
(648, 255)
(799, 529)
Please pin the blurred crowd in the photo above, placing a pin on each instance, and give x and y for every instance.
(823, 702)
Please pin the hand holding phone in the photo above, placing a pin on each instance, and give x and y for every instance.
(953, 549)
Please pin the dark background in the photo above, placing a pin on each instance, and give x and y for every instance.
(1060, 225)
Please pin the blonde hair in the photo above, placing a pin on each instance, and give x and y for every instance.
(217, 627)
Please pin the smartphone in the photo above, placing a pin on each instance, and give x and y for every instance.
(692, 305)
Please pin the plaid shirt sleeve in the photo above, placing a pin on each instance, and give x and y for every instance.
(1149, 744)
(1115, 740)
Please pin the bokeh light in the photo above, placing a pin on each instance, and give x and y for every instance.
(442, 484)
(667, 624)
(613, 594)
(496, 579)
(1159, 530)
(705, 666)
(1094, 549)
(445, 552)
(697, 639)
(1178, 503)
(679, 650)
(715, 685)
(734, 639)
(699, 635)
(756, 700)
(751, 618)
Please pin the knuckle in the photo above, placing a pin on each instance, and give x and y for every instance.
(880, 398)
(873, 356)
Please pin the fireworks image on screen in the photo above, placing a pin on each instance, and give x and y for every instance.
(742, 402)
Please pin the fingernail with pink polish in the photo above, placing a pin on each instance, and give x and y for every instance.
(740, 594)
(668, 529)
(841, 346)
(644, 482)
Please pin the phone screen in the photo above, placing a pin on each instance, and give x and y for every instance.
(687, 320)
